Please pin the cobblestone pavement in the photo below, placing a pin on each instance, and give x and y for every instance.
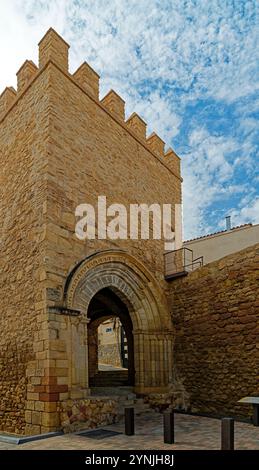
(191, 433)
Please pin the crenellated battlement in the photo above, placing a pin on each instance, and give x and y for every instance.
(173, 161)
(7, 98)
(88, 79)
(25, 74)
(136, 124)
(156, 144)
(115, 104)
(54, 49)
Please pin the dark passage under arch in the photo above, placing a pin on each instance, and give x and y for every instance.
(105, 305)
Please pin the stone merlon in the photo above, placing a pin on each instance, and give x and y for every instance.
(115, 104)
(88, 79)
(137, 125)
(25, 74)
(53, 47)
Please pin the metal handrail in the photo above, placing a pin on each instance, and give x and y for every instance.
(199, 260)
(176, 261)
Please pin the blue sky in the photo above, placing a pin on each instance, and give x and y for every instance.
(189, 68)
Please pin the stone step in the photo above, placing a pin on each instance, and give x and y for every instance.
(125, 397)
(105, 384)
(113, 372)
(124, 391)
(109, 379)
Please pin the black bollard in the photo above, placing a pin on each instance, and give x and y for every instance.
(129, 421)
(256, 414)
(169, 427)
(227, 434)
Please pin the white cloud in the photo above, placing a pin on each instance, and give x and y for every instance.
(246, 214)
(207, 174)
(210, 46)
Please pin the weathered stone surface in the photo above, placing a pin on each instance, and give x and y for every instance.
(109, 354)
(216, 318)
(23, 148)
(88, 413)
(59, 147)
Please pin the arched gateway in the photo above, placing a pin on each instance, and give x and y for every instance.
(107, 276)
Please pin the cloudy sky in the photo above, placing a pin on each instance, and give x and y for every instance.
(188, 67)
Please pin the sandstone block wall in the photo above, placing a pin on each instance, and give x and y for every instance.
(93, 153)
(59, 147)
(215, 312)
(109, 354)
(23, 149)
(87, 413)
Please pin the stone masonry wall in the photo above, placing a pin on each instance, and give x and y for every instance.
(87, 413)
(215, 311)
(59, 147)
(23, 144)
(91, 155)
(109, 354)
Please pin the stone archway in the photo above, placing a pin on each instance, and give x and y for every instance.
(140, 292)
(103, 306)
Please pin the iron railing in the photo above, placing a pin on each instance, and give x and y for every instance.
(180, 261)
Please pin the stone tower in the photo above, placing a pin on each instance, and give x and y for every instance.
(61, 146)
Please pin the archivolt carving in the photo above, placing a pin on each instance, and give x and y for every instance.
(131, 281)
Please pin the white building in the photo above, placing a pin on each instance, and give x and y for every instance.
(220, 244)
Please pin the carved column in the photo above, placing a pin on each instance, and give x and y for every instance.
(153, 361)
(79, 380)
